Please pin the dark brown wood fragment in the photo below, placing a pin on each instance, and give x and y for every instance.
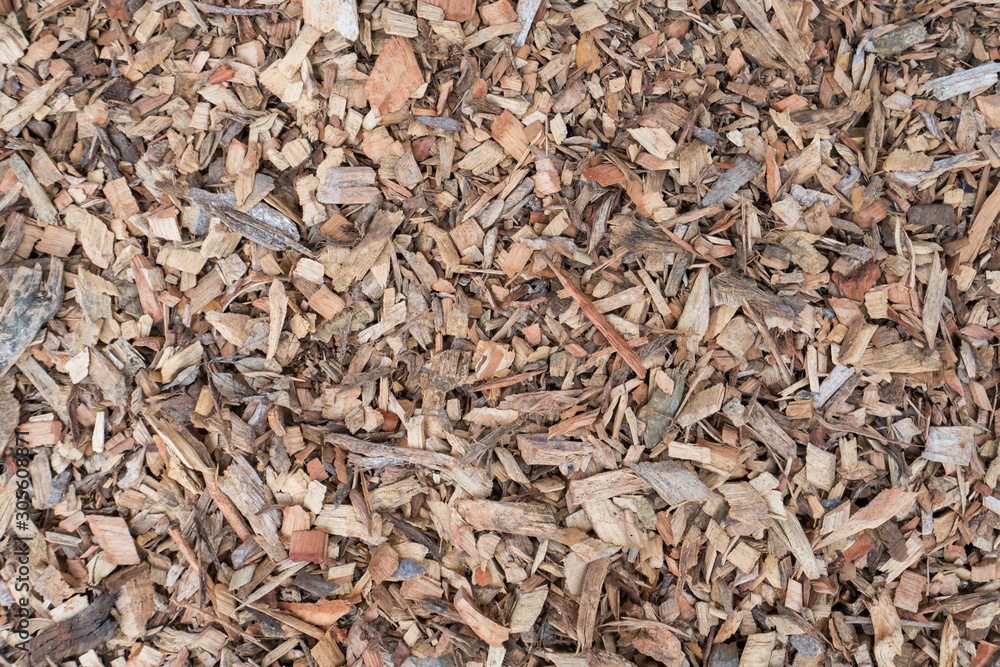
(925, 215)
(75, 636)
(30, 304)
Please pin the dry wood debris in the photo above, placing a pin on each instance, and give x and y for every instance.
(512, 332)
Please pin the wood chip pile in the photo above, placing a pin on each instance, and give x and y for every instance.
(450, 333)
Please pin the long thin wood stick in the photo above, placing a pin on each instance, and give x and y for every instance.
(628, 354)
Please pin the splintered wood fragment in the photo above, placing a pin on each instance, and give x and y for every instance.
(33, 190)
(112, 534)
(482, 158)
(743, 556)
(909, 592)
(757, 652)
(327, 15)
(181, 359)
(278, 307)
(527, 609)
(12, 42)
(746, 505)
(615, 525)
(369, 249)
(226, 506)
(241, 483)
(513, 518)
(934, 301)
(33, 299)
(799, 544)
(542, 450)
(980, 227)
(33, 102)
(950, 444)
(627, 353)
(282, 73)
(966, 81)
(702, 405)
(834, 380)
(278, 579)
(55, 395)
(394, 78)
(674, 483)
(40, 434)
(694, 318)
(904, 357)
(590, 599)
(755, 12)
(657, 641)
(772, 435)
(486, 629)
(509, 132)
(178, 443)
(604, 486)
(821, 467)
(888, 630)
(880, 509)
(526, 12)
(348, 185)
(744, 169)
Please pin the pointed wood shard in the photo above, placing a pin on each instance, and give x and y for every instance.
(882, 508)
(888, 630)
(395, 77)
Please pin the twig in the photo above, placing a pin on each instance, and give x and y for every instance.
(628, 354)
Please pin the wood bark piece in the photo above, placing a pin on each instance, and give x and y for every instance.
(514, 518)
(953, 85)
(75, 636)
(743, 171)
(33, 298)
(590, 598)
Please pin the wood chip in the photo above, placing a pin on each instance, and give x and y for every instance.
(503, 333)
